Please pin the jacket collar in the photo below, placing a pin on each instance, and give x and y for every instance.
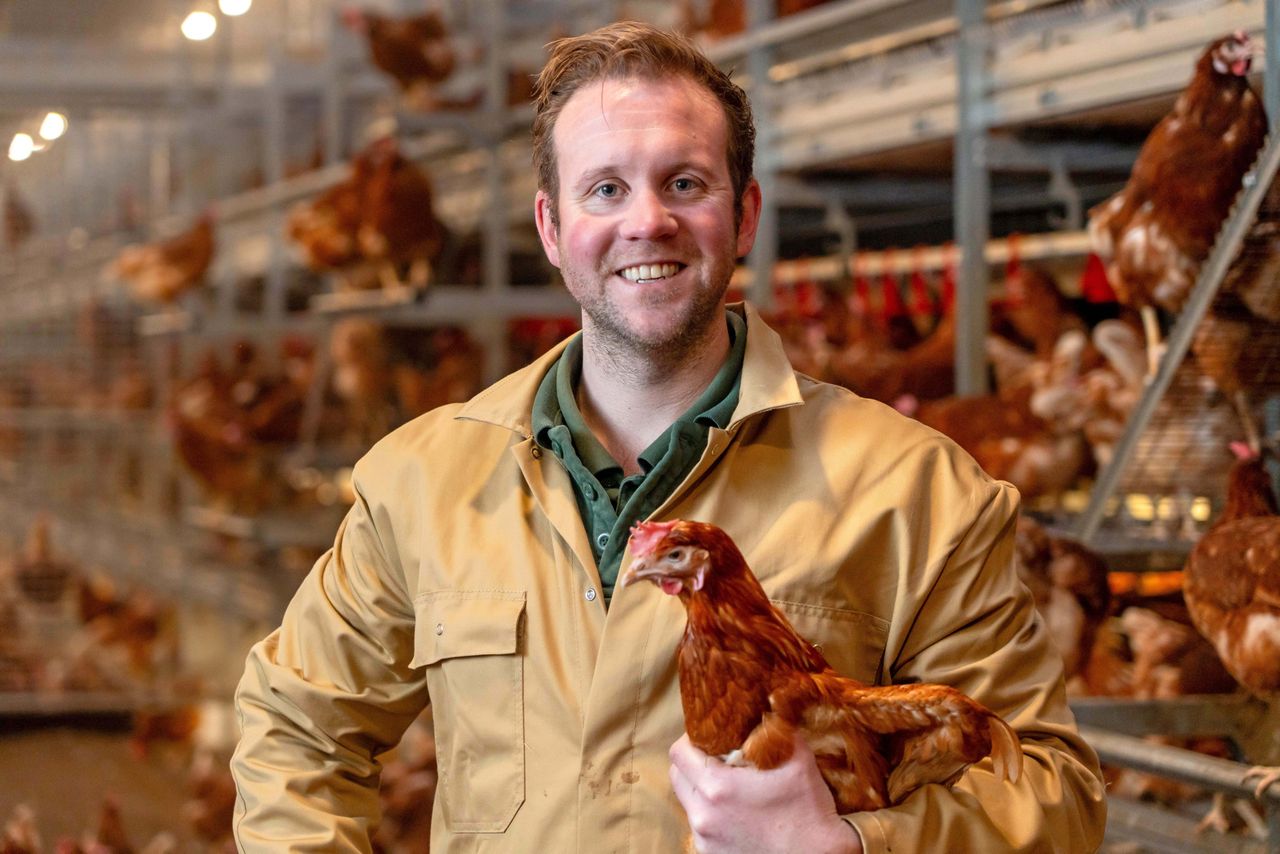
(768, 382)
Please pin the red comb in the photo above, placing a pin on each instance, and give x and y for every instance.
(1243, 451)
(645, 536)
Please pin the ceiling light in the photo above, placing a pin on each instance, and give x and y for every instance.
(53, 126)
(199, 26)
(21, 147)
(232, 8)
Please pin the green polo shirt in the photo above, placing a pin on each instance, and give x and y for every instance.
(608, 502)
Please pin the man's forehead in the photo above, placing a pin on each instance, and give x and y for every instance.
(640, 99)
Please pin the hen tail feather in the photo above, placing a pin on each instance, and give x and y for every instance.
(1006, 751)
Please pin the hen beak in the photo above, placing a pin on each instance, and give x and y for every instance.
(641, 569)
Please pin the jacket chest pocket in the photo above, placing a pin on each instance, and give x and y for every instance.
(852, 641)
(470, 642)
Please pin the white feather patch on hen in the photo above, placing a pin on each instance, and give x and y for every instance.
(1261, 634)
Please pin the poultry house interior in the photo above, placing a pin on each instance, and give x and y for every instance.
(243, 242)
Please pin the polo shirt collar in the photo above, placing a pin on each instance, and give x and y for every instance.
(768, 382)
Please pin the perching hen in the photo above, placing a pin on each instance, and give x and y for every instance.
(1156, 232)
(748, 682)
(1232, 582)
(414, 51)
(164, 270)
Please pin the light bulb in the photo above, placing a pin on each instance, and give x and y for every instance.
(199, 26)
(53, 126)
(233, 8)
(21, 147)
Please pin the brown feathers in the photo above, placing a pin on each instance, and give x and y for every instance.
(748, 682)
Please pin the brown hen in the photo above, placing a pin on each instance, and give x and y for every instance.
(164, 270)
(1232, 583)
(1155, 233)
(413, 51)
(749, 682)
(398, 226)
(1069, 584)
(1232, 578)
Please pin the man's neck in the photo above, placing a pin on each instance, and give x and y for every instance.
(627, 403)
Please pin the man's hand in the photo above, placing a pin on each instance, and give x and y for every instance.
(744, 810)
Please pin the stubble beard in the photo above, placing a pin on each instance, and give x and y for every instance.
(660, 351)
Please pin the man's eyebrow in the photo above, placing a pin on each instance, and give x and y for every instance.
(596, 173)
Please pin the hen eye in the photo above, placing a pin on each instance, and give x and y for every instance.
(675, 554)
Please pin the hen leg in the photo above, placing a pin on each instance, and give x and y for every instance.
(388, 276)
(1266, 776)
(1216, 818)
(1155, 348)
(1241, 401)
(419, 273)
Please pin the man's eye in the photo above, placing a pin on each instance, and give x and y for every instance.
(683, 184)
(607, 191)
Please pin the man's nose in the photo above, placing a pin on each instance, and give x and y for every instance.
(648, 217)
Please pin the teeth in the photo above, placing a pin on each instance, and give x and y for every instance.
(649, 271)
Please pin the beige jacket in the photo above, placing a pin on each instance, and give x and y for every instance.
(462, 576)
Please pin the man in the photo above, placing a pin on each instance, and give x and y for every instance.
(476, 568)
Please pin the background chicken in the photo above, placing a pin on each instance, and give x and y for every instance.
(19, 222)
(398, 226)
(1033, 313)
(1029, 434)
(372, 225)
(1169, 660)
(362, 378)
(1232, 582)
(163, 271)
(749, 682)
(225, 423)
(414, 51)
(21, 836)
(1155, 233)
(1069, 584)
(446, 367)
(1238, 340)
(41, 576)
(726, 17)
(325, 227)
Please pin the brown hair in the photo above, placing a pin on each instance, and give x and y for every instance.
(624, 50)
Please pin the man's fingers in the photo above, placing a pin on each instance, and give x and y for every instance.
(686, 757)
(682, 786)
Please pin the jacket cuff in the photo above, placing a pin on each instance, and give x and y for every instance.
(869, 830)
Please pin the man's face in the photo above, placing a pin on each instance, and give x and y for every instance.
(645, 237)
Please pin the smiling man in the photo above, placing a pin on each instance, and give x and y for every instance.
(476, 570)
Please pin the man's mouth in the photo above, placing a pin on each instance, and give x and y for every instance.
(642, 273)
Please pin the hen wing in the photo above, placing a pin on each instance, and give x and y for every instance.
(928, 733)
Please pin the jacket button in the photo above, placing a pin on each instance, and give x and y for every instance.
(439, 628)
(602, 540)
(591, 594)
(590, 492)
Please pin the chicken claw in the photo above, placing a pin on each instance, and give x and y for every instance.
(1216, 818)
(1266, 775)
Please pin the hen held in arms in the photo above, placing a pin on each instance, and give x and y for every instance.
(874, 744)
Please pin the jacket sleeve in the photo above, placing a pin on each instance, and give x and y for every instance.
(324, 694)
(974, 626)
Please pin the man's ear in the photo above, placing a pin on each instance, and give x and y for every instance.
(751, 203)
(547, 231)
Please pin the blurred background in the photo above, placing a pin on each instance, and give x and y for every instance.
(244, 239)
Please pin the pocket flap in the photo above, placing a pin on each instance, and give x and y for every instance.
(455, 623)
